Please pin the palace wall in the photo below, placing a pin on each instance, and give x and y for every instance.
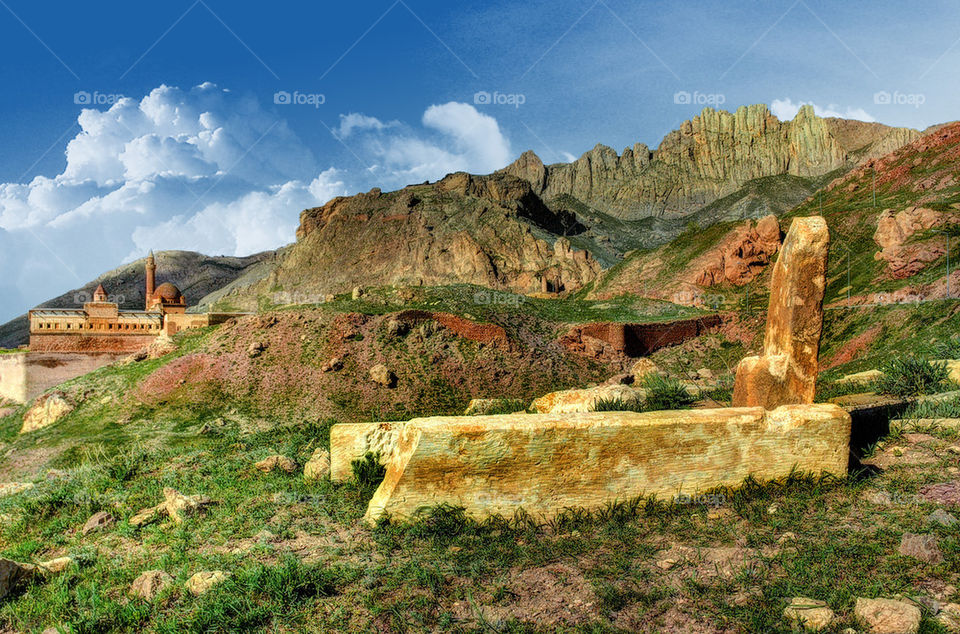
(95, 343)
(26, 375)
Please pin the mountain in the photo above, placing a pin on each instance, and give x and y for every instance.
(531, 227)
(709, 157)
(195, 274)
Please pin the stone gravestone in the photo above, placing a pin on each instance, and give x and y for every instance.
(786, 374)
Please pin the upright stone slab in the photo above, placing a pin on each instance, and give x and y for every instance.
(352, 441)
(787, 371)
(544, 463)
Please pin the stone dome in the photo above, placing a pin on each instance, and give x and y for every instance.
(168, 292)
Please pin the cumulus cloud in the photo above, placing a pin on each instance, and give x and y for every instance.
(201, 169)
(454, 137)
(786, 109)
(207, 170)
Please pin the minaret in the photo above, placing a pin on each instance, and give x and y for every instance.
(100, 295)
(151, 279)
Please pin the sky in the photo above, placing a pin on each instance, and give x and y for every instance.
(209, 125)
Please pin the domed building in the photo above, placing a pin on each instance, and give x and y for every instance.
(166, 298)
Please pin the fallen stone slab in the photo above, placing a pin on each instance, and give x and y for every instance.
(585, 400)
(544, 463)
(352, 441)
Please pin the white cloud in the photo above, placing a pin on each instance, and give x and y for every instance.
(786, 109)
(455, 137)
(201, 169)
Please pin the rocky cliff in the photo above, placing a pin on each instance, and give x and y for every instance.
(708, 157)
(492, 231)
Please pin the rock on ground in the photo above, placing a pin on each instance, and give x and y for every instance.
(949, 617)
(150, 583)
(585, 400)
(46, 411)
(922, 547)
(176, 506)
(283, 463)
(13, 575)
(809, 614)
(201, 582)
(942, 517)
(888, 616)
(642, 368)
(96, 522)
(318, 466)
(12, 488)
(381, 375)
(483, 406)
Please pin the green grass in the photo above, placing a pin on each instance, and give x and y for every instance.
(909, 375)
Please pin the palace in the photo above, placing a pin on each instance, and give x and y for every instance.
(101, 327)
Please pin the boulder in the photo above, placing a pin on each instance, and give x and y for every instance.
(786, 373)
(13, 488)
(922, 547)
(358, 292)
(150, 583)
(381, 375)
(808, 614)
(96, 522)
(942, 517)
(283, 463)
(54, 566)
(333, 365)
(179, 506)
(255, 349)
(585, 400)
(318, 466)
(888, 616)
(642, 368)
(14, 576)
(46, 411)
(352, 441)
(949, 617)
(202, 582)
(483, 406)
(741, 256)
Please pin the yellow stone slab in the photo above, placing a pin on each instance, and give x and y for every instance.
(544, 463)
(352, 441)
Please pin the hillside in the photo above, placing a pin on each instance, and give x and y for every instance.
(196, 275)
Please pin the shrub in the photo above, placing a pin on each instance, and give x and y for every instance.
(910, 375)
(666, 393)
(368, 472)
(948, 349)
(619, 405)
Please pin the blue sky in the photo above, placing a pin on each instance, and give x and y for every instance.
(388, 94)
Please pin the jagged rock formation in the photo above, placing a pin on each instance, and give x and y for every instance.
(708, 157)
(740, 257)
(483, 230)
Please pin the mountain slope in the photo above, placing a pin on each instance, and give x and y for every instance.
(708, 157)
(196, 275)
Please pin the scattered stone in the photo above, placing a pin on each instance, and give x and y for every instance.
(642, 368)
(397, 328)
(888, 616)
(201, 582)
(954, 449)
(46, 411)
(949, 617)
(880, 498)
(787, 372)
(175, 505)
(943, 493)
(256, 349)
(54, 566)
(585, 400)
(705, 374)
(13, 488)
(318, 466)
(381, 375)
(624, 378)
(719, 513)
(942, 517)
(773, 508)
(922, 547)
(358, 292)
(180, 506)
(283, 463)
(13, 576)
(866, 376)
(666, 564)
(808, 614)
(334, 364)
(150, 583)
(96, 522)
(787, 537)
(483, 406)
